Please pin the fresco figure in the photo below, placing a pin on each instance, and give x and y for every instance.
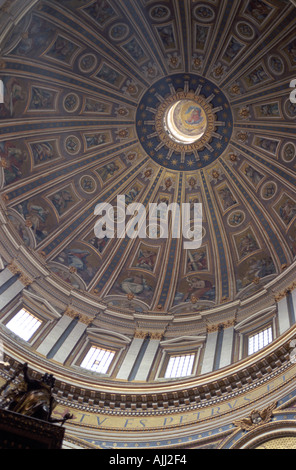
(13, 160)
(135, 284)
(197, 288)
(287, 211)
(146, 259)
(226, 197)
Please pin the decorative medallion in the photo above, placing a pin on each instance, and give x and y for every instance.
(71, 102)
(289, 152)
(88, 184)
(184, 122)
(119, 31)
(87, 63)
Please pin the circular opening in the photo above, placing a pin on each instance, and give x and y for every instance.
(185, 121)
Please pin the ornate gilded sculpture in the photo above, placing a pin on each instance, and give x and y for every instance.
(31, 397)
(256, 418)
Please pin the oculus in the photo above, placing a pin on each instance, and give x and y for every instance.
(184, 122)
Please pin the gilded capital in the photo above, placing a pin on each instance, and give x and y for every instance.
(14, 268)
(71, 313)
(141, 334)
(156, 335)
(212, 328)
(281, 295)
(85, 319)
(228, 323)
(25, 280)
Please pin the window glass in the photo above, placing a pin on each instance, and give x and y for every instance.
(24, 324)
(259, 340)
(179, 366)
(98, 360)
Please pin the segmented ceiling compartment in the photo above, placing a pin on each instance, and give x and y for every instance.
(84, 83)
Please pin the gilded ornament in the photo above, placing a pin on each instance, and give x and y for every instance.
(213, 328)
(242, 136)
(141, 334)
(257, 418)
(235, 89)
(284, 293)
(156, 335)
(131, 89)
(71, 313)
(25, 280)
(174, 61)
(14, 268)
(85, 319)
(197, 62)
(123, 133)
(244, 113)
(194, 299)
(228, 323)
(4, 163)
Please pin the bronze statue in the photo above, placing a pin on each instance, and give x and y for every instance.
(32, 397)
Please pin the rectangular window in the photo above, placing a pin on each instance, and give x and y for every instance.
(98, 360)
(259, 340)
(180, 366)
(24, 324)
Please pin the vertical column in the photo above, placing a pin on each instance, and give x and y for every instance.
(9, 290)
(5, 276)
(292, 299)
(227, 344)
(9, 294)
(72, 339)
(148, 357)
(57, 332)
(131, 356)
(283, 313)
(210, 350)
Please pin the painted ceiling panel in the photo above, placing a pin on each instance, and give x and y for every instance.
(90, 88)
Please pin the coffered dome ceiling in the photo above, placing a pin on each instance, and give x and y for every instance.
(178, 101)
